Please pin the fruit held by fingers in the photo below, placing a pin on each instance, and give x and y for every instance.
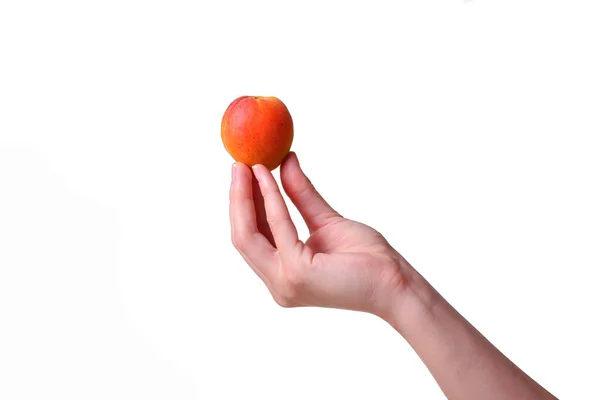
(257, 130)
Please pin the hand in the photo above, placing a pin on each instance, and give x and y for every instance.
(343, 264)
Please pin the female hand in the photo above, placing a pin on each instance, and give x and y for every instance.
(343, 264)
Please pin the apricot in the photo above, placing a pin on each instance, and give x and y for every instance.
(257, 130)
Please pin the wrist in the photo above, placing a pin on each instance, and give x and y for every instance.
(412, 302)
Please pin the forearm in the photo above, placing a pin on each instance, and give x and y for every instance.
(463, 362)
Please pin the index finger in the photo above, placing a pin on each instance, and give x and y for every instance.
(252, 245)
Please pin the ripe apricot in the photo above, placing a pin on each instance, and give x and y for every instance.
(257, 130)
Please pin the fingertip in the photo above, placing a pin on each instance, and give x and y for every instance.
(292, 158)
(291, 155)
(259, 171)
(292, 175)
(290, 163)
(240, 175)
(240, 167)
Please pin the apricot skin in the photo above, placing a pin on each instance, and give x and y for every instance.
(257, 130)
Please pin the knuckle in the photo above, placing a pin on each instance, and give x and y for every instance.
(295, 277)
(271, 195)
(237, 241)
(306, 187)
(277, 220)
(292, 283)
(282, 302)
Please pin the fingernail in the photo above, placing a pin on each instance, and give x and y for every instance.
(233, 172)
(256, 172)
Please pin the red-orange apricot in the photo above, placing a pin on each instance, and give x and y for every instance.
(257, 130)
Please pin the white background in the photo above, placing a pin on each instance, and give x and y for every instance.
(466, 132)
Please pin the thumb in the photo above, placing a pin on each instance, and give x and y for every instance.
(314, 209)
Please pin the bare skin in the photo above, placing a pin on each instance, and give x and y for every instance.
(348, 265)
